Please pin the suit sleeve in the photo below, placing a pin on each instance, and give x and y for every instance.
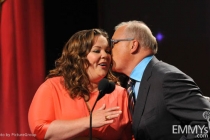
(184, 99)
(41, 111)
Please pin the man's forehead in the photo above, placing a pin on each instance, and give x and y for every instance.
(119, 32)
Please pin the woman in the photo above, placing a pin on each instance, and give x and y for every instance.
(61, 106)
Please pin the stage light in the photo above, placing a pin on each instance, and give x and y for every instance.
(159, 36)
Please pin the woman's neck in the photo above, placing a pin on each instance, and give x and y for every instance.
(94, 87)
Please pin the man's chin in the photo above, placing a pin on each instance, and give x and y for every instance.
(114, 69)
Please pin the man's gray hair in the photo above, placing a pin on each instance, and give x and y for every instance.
(141, 32)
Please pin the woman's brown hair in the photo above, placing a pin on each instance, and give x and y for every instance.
(73, 63)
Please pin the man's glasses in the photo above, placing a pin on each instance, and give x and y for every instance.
(115, 41)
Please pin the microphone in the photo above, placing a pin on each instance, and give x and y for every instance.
(104, 87)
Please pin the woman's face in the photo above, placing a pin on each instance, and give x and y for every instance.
(99, 58)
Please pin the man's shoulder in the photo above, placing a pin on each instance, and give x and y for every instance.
(163, 67)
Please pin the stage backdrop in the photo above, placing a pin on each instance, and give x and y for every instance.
(21, 64)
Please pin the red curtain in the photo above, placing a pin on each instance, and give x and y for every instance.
(21, 64)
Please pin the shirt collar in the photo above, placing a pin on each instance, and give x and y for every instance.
(138, 71)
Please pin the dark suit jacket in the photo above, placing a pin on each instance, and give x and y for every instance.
(167, 98)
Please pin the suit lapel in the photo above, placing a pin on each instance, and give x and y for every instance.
(142, 95)
(140, 104)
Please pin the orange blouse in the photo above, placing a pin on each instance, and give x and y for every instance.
(52, 102)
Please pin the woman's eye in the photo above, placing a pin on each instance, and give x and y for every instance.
(108, 51)
(96, 51)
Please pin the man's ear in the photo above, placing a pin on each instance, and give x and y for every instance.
(135, 46)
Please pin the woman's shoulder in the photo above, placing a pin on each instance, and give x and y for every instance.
(51, 86)
(119, 90)
(54, 80)
(118, 95)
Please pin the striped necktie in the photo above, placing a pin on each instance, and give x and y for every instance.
(131, 99)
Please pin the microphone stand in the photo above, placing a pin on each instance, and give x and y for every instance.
(91, 115)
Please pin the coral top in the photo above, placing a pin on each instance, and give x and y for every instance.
(52, 102)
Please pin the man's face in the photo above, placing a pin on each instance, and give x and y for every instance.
(120, 51)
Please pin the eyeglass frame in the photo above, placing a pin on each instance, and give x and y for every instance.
(115, 41)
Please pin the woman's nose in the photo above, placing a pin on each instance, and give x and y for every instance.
(104, 54)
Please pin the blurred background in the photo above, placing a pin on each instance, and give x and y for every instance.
(33, 33)
(182, 29)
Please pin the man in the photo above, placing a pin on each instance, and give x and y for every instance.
(168, 105)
